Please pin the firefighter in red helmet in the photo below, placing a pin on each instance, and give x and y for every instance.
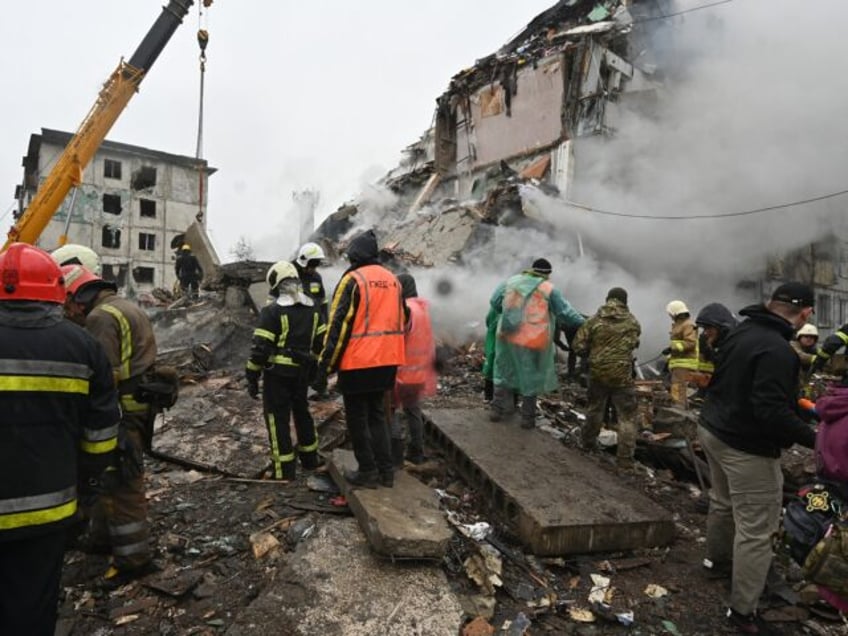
(119, 521)
(60, 427)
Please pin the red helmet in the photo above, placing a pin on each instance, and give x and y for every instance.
(78, 277)
(29, 273)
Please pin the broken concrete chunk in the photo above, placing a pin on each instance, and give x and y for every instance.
(262, 543)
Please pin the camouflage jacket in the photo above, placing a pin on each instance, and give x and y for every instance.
(608, 339)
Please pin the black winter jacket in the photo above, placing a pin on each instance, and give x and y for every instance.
(751, 402)
(60, 417)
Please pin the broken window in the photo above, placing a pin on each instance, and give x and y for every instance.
(144, 178)
(824, 310)
(147, 208)
(143, 274)
(112, 203)
(146, 241)
(111, 237)
(115, 273)
(112, 169)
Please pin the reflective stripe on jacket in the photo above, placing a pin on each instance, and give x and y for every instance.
(60, 416)
(126, 334)
(284, 338)
(420, 366)
(684, 345)
(376, 336)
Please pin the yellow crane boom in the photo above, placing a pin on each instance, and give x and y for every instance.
(111, 101)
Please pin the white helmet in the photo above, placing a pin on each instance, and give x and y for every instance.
(309, 252)
(675, 308)
(279, 272)
(75, 254)
(808, 330)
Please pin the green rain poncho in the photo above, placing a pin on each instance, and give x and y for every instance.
(528, 369)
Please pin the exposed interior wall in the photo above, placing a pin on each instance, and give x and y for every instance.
(530, 121)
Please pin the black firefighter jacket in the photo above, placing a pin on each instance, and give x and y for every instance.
(286, 340)
(60, 417)
(751, 402)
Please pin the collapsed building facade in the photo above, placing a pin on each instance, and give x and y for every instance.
(509, 129)
(134, 207)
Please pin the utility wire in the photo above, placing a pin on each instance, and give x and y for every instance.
(671, 15)
(722, 215)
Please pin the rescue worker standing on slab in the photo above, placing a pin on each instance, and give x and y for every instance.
(365, 344)
(310, 256)
(682, 351)
(416, 377)
(59, 428)
(124, 330)
(286, 342)
(749, 416)
(189, 272)
(530, 308)
(609, 339)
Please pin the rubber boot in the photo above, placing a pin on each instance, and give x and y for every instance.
(398, 448)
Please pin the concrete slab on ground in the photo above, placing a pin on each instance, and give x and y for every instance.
(404, 521)
(333, 584)
(558, 501)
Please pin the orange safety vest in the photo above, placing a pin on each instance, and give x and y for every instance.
(420, 366)
(534, 331)
(376, 339)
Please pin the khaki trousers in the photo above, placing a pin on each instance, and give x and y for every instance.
(745, 503)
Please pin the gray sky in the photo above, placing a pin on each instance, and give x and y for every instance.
(319, 94)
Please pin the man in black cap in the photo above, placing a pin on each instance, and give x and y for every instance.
(750, 414)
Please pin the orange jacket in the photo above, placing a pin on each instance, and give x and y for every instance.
(420, 366)
(376, 338)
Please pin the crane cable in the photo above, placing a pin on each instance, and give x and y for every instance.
(202, 41)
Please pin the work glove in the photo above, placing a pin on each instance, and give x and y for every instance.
(252, 384)
(666, 351)
(817, 364)
(319, 382)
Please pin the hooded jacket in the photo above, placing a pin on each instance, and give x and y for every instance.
(608, 339)
(751, 402)
(832, 438)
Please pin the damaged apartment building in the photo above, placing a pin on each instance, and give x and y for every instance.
(512, 125)
(134, 207)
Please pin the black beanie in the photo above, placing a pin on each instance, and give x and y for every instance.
(617, 293)
(542, 266)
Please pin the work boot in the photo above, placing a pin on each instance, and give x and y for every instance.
(495, 415)
(527, 423)
(750, 624)
(387, 480)
(415, 455)
(115, 577)
(311, 461)
(488, 391)
(362, 479)
(398, 447)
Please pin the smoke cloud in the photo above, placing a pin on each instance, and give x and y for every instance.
(748, 113)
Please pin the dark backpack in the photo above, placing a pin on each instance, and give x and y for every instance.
(807, 518)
